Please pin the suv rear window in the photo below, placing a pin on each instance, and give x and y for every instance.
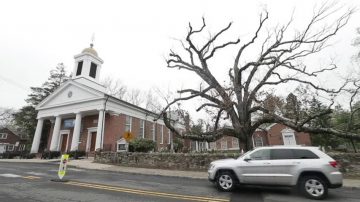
(278, 154)
(304, 154)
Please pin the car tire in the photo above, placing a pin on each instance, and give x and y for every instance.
(313, 187)
(225, 181)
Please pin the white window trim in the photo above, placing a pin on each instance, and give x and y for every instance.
(162, 135)
(212, 145)
(262, 142)
(12, 146)
(130, 124)
(21, 147)
(88, 142)
(142, 126)
(119, 142)
(290, 132)
(61, 136)
(3, 136)
(236, 141)
(223, 143)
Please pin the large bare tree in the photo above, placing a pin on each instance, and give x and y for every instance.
(278, 62)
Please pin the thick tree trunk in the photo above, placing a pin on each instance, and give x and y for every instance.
(353, 145)
(248, 143)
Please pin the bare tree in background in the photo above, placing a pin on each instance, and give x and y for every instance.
(135, 97)
(115, 88)
(152, 102)
(241, 100)
(6, 116)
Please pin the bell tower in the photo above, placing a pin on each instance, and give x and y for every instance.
(87, 65)
(87, 68)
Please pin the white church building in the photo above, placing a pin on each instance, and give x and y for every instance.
(84, 118)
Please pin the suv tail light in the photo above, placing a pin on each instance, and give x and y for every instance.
(334, 164)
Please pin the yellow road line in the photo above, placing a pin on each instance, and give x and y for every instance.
(31, 177)
(143, 192)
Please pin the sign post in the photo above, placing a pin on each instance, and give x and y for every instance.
(62, 167)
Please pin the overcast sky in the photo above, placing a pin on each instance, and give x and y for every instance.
(132, 37)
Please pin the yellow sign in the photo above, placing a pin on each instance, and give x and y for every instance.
(62, 167)
(128, 136)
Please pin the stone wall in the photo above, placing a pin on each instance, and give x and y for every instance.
(350, 163)
(177, 161)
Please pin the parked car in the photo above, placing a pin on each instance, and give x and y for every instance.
(306, 168)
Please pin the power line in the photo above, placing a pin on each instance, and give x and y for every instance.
(14, 83)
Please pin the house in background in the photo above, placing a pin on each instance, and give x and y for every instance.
(85, 118)
(274, 134)
(11, 140)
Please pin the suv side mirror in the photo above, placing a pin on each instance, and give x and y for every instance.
(247, 158)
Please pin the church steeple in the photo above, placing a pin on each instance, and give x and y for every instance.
(88, 64)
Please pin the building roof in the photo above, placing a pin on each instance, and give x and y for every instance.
(90, 50)
(13, 130)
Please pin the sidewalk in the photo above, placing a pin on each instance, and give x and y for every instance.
(89, 164)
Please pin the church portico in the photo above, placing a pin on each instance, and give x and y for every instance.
(68, 131)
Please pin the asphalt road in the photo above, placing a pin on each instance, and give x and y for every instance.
(32, 182)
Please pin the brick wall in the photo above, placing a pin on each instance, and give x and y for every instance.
(86, 122)
(114, 131)
(275, 136)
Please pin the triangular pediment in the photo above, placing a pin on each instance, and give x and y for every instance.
(287, 130)
(70, 93)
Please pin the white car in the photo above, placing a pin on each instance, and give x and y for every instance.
(308, 168)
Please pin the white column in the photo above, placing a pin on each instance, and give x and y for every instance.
(99, 133)
(55, 136)
(76, 133)
(37, 136)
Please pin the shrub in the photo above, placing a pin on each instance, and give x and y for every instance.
(9, 155)
(178, 145)
(50, 154)
(27, 156)
(141, 145)
(76, 154)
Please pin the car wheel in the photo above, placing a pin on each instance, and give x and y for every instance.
(313, 187)
(225, 181)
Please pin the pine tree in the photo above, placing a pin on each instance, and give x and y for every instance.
(25, 118)
(56, 78)
(292, 107)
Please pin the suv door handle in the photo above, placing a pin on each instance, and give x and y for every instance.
(296, 162)
(266, 163)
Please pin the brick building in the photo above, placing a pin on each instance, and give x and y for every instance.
(275, 134)
(11, 140)
(84, 118)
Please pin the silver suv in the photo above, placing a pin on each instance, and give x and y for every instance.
(307, 168)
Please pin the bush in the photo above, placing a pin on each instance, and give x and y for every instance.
(27, 156)
(9, 155)
(76, 154)
(141, 145)
(50, 154)
(178, 145)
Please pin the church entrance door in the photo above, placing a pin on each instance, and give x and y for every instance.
(92, 141)
(64, 141)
